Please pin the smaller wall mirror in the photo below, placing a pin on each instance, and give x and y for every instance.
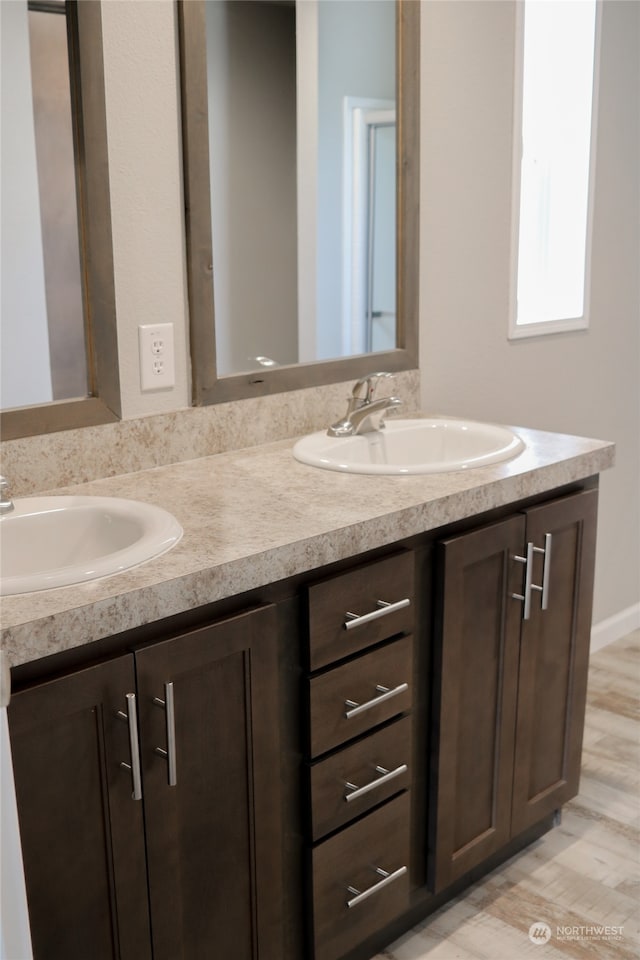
(44, 355)
(300, 128)
(58, 307)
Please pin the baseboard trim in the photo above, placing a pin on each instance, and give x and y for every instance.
(605, 632)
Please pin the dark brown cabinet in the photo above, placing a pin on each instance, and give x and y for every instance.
(193, 866)
(512, 662)
(82, 833)
(554, 662)
(312, 776)
(360, 752)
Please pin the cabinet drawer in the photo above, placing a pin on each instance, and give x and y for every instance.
(371, 857)
(366, 590)
(378, 684)
(377, 766)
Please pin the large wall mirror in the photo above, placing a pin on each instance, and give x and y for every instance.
(300, 131)
(59, 365)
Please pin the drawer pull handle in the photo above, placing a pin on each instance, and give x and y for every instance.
(384, 608)
(387, 878)
(131, 718)
(170, 753)
(384, 693)
(387, 775)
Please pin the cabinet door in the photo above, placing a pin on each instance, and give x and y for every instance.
(475, 705)
(554, 660)
(81, 830)
(213, 838)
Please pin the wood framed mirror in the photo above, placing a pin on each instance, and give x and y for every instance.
(228, 263)
(59, 339)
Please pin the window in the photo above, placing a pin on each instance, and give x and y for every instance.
(555, 110)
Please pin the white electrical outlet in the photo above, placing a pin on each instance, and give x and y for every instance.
(157, 361)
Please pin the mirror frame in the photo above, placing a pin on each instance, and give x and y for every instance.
(84, 34)
(207, 387)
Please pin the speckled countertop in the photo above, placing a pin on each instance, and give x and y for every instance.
(256, 516)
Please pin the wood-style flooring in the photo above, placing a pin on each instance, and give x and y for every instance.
(584, 875)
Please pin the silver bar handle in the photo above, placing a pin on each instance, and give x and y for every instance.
(546, 570)
(170, 753)
(528, 575)
(384, 694)
(387, 878)
(131, 716)
(529, 585)
(387, 775)
(384, 608)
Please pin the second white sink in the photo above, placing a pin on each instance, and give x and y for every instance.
(50, 542)
(412, 447)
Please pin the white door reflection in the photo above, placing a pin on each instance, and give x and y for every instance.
(369, 228)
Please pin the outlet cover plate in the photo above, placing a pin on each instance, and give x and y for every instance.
(157, 358)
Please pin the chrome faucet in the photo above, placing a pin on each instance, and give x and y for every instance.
(6, 503)
(364, 412)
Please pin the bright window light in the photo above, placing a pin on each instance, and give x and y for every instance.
(554, 169)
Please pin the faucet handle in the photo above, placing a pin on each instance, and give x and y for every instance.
(6, 503)
(365, 388)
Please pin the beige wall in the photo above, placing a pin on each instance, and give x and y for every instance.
(585, 382)
(145, 167)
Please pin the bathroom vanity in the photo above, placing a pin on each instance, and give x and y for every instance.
(337, 701)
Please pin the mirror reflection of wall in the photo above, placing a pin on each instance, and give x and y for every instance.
(280, 78)
(251, 63)
(43, 333)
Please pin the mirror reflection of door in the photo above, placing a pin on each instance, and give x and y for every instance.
(279, 76)
(43, 330)
(369, 226)
(381, 236)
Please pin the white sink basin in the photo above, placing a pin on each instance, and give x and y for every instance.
(55, 541)
(412, 447)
